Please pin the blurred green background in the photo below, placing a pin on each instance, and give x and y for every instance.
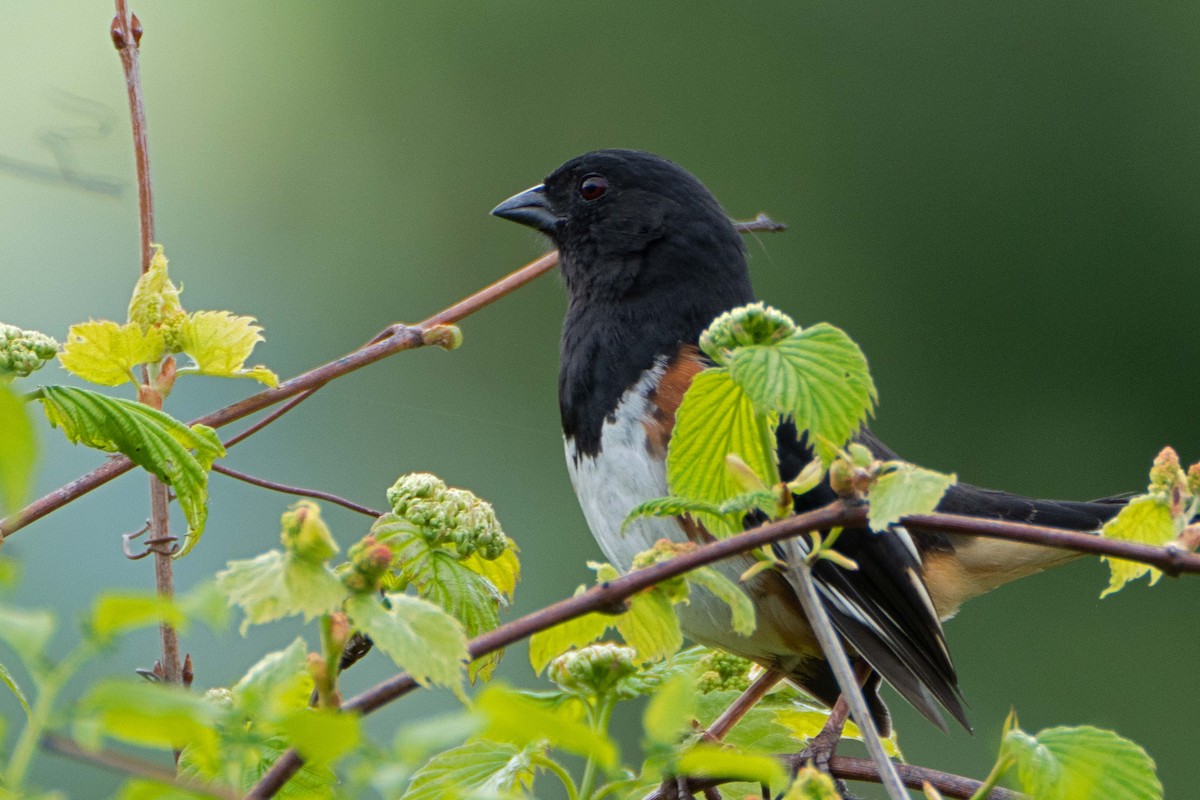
(998, 201)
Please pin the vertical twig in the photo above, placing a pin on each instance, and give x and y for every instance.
(126, 33)
(831, 645)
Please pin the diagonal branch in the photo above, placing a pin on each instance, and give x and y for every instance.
(316, 494)
(133, 766)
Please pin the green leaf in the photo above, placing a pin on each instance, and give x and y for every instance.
(147, 714)
(8, 680)
(715, 419)
(512, 717)
(155, 299)
(416, 634)
(1082, 763)
(151, 439)
(706, 760)
(547, 645)
(812, 784)
(503, 572)
(104, 352)
(117, 612)
(650, 625)
(276, 585)
(1147, 520)
(904, 490)
(152, 790)
(27, 632)
(670, 711)
(804, 720)
(468, 596)
(741, 607)
(277, 683)
(818, 376)
(479, 768)
(670, 507)
(17, 450)
(219, 343)
(322, 735)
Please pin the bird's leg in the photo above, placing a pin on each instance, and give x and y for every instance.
(820, 748)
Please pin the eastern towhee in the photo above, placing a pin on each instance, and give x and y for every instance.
(650, 259)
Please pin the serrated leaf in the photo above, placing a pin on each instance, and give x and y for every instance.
(741, 608)
(706, 760)
(1081, 764)
(147, 714)
(155, 441)
(903, 491)
(483, 768)
(503, 572)
(650, 626)
(812, 784)
(818, 376)
(8, 680)
(1147, 520)
(803, 721)
(219, 344)
(275, 681)
(670, 507)
(104, 352)
(581, 631)
(276, 585)
(322, 735)
(17, 450)
(117, 612)
(715, 419)
(27, 632)
(759, 728)
(417, 635)
(511, 717)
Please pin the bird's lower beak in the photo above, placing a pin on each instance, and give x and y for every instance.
(531, 208)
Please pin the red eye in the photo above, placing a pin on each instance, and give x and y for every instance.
(593, 187)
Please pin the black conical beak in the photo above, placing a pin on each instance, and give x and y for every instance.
(531, 208)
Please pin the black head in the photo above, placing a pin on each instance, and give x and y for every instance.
(626, 222)
(649, 258)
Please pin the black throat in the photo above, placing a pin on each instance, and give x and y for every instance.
(672, 291)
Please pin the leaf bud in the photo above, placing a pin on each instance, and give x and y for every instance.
(305, 534)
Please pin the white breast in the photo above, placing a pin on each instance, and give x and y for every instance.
(624, 474)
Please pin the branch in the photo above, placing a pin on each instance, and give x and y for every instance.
(307, 383)
(862, 769)
(296, 490)
(126, 33)
(133, 766)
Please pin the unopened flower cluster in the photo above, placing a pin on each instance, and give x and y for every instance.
(446, 515)
(23, 352)
(724, 672)
(752, 324)
(594, 670)
(664, 550)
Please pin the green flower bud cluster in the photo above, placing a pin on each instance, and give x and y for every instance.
(23, 352)
(594, 670)
(664, 550)
(447, 515)
(304, 534)
(752, 324)
(369, 564)
(723, 671)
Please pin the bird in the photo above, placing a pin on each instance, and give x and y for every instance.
(649, 258)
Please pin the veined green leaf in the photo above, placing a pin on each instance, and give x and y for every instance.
(1147, 520)
(670, 712)
(104, 352)
(741, 608)
(117, 612)
(276, 585)
(1082, 764)
(804, 720)
(812, 784)
(17, 450)
(278, 682)
(547, 645)
(715, 419)
(479, 768)
(155, 441)
(818, 376)
(503, 572)
(905, 490)
(149, 790)
(219, 343)
(650, 625)
(512, 717)
(416, 634)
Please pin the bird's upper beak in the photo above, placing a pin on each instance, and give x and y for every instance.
(531, 208)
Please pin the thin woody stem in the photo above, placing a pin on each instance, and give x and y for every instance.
(296, 490)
